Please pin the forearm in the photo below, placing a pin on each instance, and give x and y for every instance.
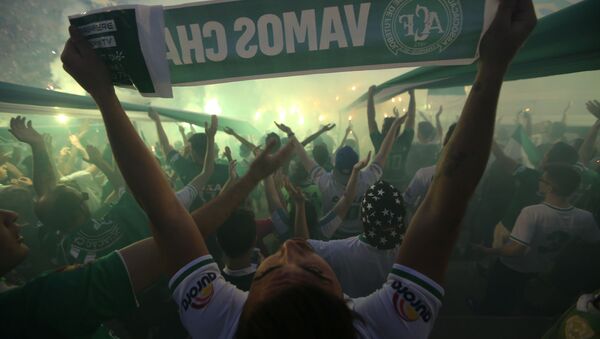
(440, 129)
(386, 146)
(412, 112)
(208, 168)
(162, 138)
(13, 170)
(209, 217)
(307, 162)
(371, 115)
(344, 139)
(244, 142)
(300, 226)
(586, 150)
(112, 174)
(312, 138)
(273, 200)
(44, 177)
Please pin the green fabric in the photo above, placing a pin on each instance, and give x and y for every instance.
(124, 224)
(71, 303)
(25, 95)
(575, 324)
(563, 42)
(521, 137)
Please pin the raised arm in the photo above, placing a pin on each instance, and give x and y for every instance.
(436, 223)
(438, 125)
(346, 134)
(317, 134)
(244, 142)
(273, 200)
(209, 157)
(412, 110)
(174, 230)
(300, 224)
(112, 174)
(343, 205)
(586, 151)
(160, 131)
(307, 162)
(44, 177)
(371, 111)
(386, 146)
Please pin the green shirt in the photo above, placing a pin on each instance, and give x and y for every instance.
(581, 321)
(395, 165)
(72, 302)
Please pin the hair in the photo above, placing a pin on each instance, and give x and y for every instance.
(237, 235)
(59, 208)
(564, 179)
(449, 133)
(562, 152)
(426, 130)
(277, 140)
(321, 155)
(387, 124)
(298, 312)
(198, 144)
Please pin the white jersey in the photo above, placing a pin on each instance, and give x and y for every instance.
(186, 196)
(210, 307)
(332, 191)
(545, 229)
(360, 267)
(418, 187)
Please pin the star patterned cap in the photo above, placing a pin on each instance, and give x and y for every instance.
(382, 213)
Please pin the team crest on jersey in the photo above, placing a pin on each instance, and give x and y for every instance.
(408, 305)
(417, 27)
(200, 294)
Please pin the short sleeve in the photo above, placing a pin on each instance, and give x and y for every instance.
(209, 306)
(186, 196)
(71, 302)
(281, 221)
(524, 229)
(406, 307)
(329, 224)
(371, 174)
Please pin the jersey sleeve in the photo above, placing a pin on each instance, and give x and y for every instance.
(281, 221)
(71, 302)
(524, 229)
(371, 174)
(320, 177)
(209, 306)
(329, 224)
(186, 196)
(406, 306)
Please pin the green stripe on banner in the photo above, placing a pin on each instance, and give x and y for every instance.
(434, 291)
(219, 41)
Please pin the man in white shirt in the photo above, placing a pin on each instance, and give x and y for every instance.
(540, 232)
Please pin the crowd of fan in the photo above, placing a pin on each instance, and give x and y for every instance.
(125, 225)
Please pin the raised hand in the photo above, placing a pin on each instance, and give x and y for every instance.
(294, 191)
(227, 154)
(328, 127)
(363, 163)
(83, 64)
(266, 163)
(285, 129)
(593, 106)
(153, 115)
(212, 129)
(440, 111)
(396, 112)
(94, 155)
(24, 132)
(229, 131)
(513, 23)
(74, 139)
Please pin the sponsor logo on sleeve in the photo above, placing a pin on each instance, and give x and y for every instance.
(200, 293)
(417, 27)
(409, 305)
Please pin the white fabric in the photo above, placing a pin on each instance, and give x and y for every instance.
(418, 187)
(186, 196)
(86, 183)
(210, 307)
(332, 191)
(545, 229)
(360, 267)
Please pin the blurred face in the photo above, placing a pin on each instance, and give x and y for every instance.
(12, 249)
(295, 263)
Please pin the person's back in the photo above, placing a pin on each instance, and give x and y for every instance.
(551, 228)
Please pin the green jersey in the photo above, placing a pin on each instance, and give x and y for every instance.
(72, 302)
(581, 321)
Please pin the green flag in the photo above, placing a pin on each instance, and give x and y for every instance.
(220, 41)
